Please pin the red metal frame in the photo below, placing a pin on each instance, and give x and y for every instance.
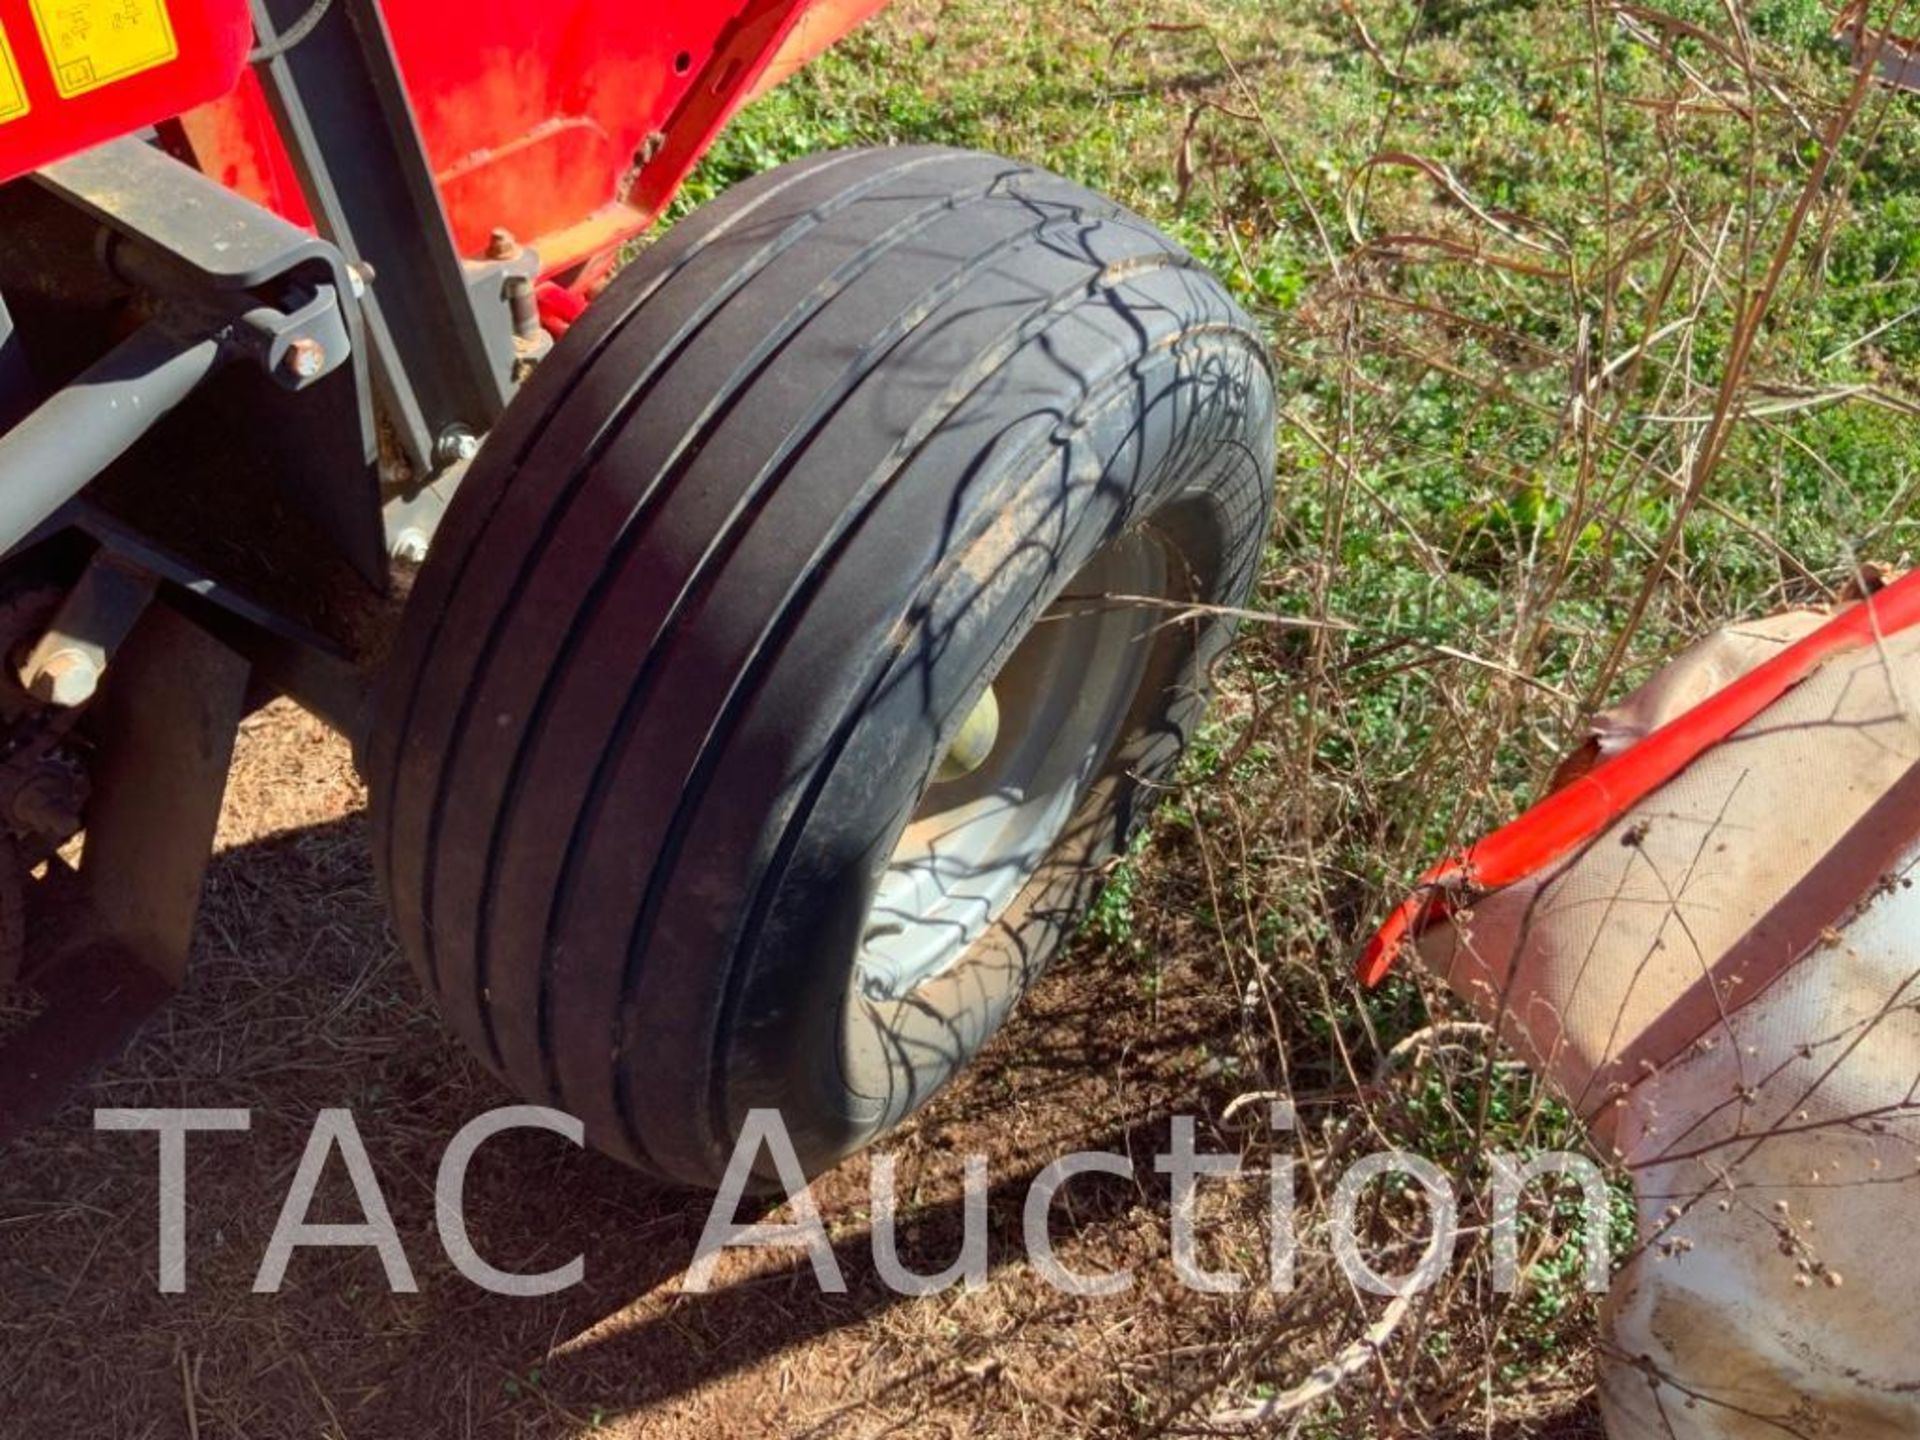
(570, 123)
(69, 79)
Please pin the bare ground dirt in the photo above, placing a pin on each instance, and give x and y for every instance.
(299, 1001)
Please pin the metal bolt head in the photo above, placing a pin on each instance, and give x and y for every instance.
(305, 359)
(455, 445)
(67, 678)
(501, 245)
(410, 545)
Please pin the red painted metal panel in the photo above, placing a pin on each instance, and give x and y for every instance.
(76, 72)
(820, 26)
(569, 122)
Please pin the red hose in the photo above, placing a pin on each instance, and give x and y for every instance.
(559, 308)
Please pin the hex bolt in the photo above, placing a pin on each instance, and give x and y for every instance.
(68, 677)
(501, 245)
(305, 359)
(523, 306)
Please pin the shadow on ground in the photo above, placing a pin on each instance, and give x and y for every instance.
(299, 1002)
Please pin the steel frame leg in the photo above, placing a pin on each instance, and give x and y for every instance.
(108, 945)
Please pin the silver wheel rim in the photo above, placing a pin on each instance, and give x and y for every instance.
(973, 842)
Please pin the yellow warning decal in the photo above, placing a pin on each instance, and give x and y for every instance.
(13, 94)
(91, 43)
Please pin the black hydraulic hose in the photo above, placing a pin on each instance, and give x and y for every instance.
(51, 455)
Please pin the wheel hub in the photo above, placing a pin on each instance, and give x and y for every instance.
(974, 742)
(1014, 772)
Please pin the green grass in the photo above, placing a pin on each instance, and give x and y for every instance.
(1503, 96)
(1451, 217)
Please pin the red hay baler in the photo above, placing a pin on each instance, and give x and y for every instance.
(753, 656)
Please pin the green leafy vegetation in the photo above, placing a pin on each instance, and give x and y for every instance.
(1595, 326)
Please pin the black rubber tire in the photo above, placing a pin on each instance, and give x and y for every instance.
(704, 612)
